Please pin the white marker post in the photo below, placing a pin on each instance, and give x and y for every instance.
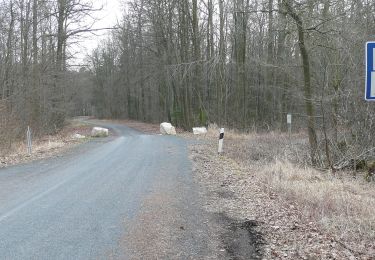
(29, 140)
(370, 71)
(289, 122)
(221, 141)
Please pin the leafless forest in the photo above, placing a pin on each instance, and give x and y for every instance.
(242, 64)
(36, 82)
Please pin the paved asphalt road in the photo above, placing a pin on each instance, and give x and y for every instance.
(74, 206)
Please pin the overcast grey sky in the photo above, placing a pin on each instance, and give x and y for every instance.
(107, 17)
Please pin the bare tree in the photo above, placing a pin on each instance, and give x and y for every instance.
(244, 64)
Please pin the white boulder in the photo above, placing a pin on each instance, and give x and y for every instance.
(78, 136)
(99, 132)
(167, 129)
(199, 130)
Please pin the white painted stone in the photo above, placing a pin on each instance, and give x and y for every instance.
(167, 129)
(199, 130)
(99, 132)
(78, 136)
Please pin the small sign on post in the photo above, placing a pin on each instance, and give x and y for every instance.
(370, 71)
(221, 141)
(289, 122)
(29, 140)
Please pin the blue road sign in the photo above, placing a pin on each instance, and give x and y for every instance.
(370, 71)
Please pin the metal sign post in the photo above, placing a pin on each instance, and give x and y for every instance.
(29, 140)
(289, 122)
(370, 71)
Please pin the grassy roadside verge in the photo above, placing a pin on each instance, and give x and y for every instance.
(52, 145)
(303, 213)
(46, 146)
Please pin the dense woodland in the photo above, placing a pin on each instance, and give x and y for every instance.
(242, 64)
(37, 84)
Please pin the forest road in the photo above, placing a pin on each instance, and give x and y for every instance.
(87, 203)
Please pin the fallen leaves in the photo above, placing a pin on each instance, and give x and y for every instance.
(287, 229)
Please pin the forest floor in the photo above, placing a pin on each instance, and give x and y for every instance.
(297, 212)
(46, 146)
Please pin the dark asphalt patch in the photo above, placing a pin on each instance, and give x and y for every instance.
(240, 238)
(226, 194)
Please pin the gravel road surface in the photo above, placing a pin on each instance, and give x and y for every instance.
(97, 201)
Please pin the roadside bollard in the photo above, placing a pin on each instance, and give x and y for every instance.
(221, 141)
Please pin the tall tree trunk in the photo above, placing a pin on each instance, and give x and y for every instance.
(35, 33)
(197, 77)
(35, 91)
(209, 54)
(270, 60)
(221, 106)
(62, 5)
(281, 61)
(307, 81)
(240, 20)
(7, 89)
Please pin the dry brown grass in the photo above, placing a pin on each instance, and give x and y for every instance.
(45, 146)
(260, 147)
(342, 204)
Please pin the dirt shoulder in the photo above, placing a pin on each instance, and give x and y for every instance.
(294, 212)
(47, 146)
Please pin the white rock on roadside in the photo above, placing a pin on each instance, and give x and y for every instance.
(199, 130)
(167, 129)
(99, 132)
(78, 136)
